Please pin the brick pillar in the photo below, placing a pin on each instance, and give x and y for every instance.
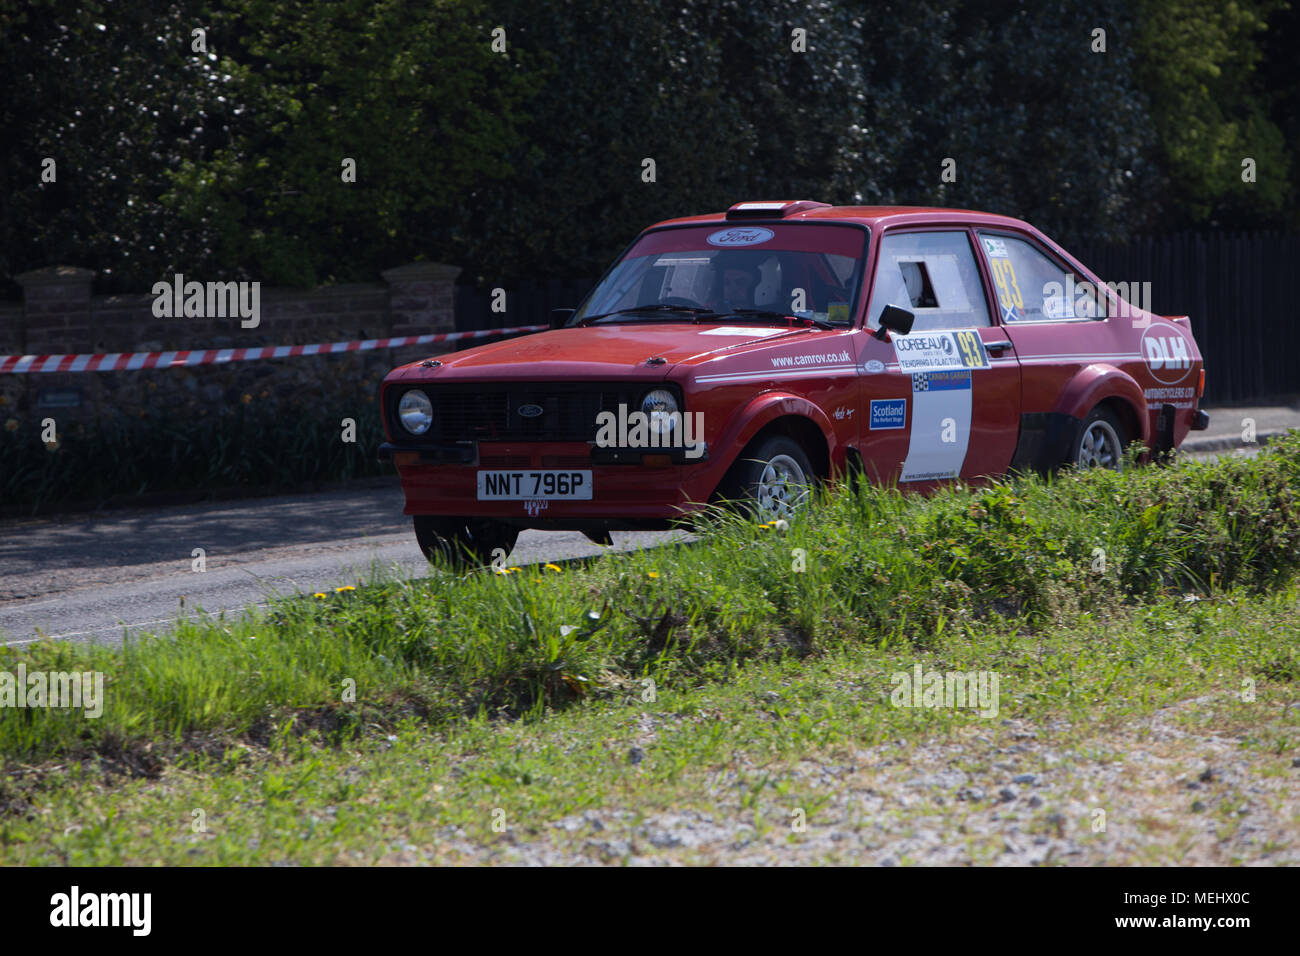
(56, 307)
(421, 300)
(56, 318)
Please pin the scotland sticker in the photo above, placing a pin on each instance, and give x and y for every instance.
(740, 236)
(887, 413)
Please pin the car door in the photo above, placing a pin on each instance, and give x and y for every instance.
(944, 401)
(1056, 322)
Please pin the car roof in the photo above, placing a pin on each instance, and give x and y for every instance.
(866, 215)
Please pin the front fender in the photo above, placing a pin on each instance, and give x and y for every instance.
(764, 409)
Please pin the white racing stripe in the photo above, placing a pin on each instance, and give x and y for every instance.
(805, 372)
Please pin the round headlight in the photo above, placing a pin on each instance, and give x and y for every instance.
(416, 412)
(661, 410)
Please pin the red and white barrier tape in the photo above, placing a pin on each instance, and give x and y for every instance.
(132, 361)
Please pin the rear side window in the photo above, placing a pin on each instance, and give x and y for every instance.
(1032, 288)
(933, 275)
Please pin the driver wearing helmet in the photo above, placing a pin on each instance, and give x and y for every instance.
(740, 277)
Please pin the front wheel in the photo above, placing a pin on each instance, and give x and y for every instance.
(773, 478)
(472, 540)
(1101, 442)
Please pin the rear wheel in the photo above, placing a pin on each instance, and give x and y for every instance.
(1101, 441)
(464, 540)
(773, 478)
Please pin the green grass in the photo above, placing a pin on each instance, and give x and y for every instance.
(1195, 592)
(877, 567)
(735, 751)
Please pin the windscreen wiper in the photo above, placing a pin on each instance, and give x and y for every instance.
(697, 313)
(768, 314)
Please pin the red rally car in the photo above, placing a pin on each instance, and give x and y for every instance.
(749, 354)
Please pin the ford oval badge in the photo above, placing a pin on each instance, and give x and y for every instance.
(530, 411)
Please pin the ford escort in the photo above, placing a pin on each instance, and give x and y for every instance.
(748, 355)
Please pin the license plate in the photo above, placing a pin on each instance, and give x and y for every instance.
(522, 485)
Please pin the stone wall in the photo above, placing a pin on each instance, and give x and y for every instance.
(60, 315)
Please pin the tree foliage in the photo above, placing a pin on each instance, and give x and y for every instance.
(512, 137)
(112, 94)
(1198, 63)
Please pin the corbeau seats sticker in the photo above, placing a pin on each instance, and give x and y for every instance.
(936, 351)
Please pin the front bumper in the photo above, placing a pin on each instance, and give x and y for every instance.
(442, 453)
(636, 485)
(466, 453)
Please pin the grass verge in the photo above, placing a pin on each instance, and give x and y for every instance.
(1174, 726)
(1096, 596)
(865, 565)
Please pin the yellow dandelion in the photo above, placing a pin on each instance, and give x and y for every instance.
(553, 567)
(319, 594)
(346, 587)
(652, 574)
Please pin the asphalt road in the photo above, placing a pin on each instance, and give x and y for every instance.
(100, 576)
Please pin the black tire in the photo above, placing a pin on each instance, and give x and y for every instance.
(464, 540)
(1101, 441)
(772, 478)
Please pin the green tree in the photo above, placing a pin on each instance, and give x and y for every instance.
(115, 96)
(1198, 64)
(412, 94)
(1040, 126)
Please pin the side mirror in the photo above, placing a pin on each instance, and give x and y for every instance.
(894, 319)
(559, 317)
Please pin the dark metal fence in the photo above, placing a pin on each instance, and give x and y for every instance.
(1240, 291)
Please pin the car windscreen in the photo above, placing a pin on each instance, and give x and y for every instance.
(809, 271)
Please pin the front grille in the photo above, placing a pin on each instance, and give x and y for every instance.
(490, 413)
